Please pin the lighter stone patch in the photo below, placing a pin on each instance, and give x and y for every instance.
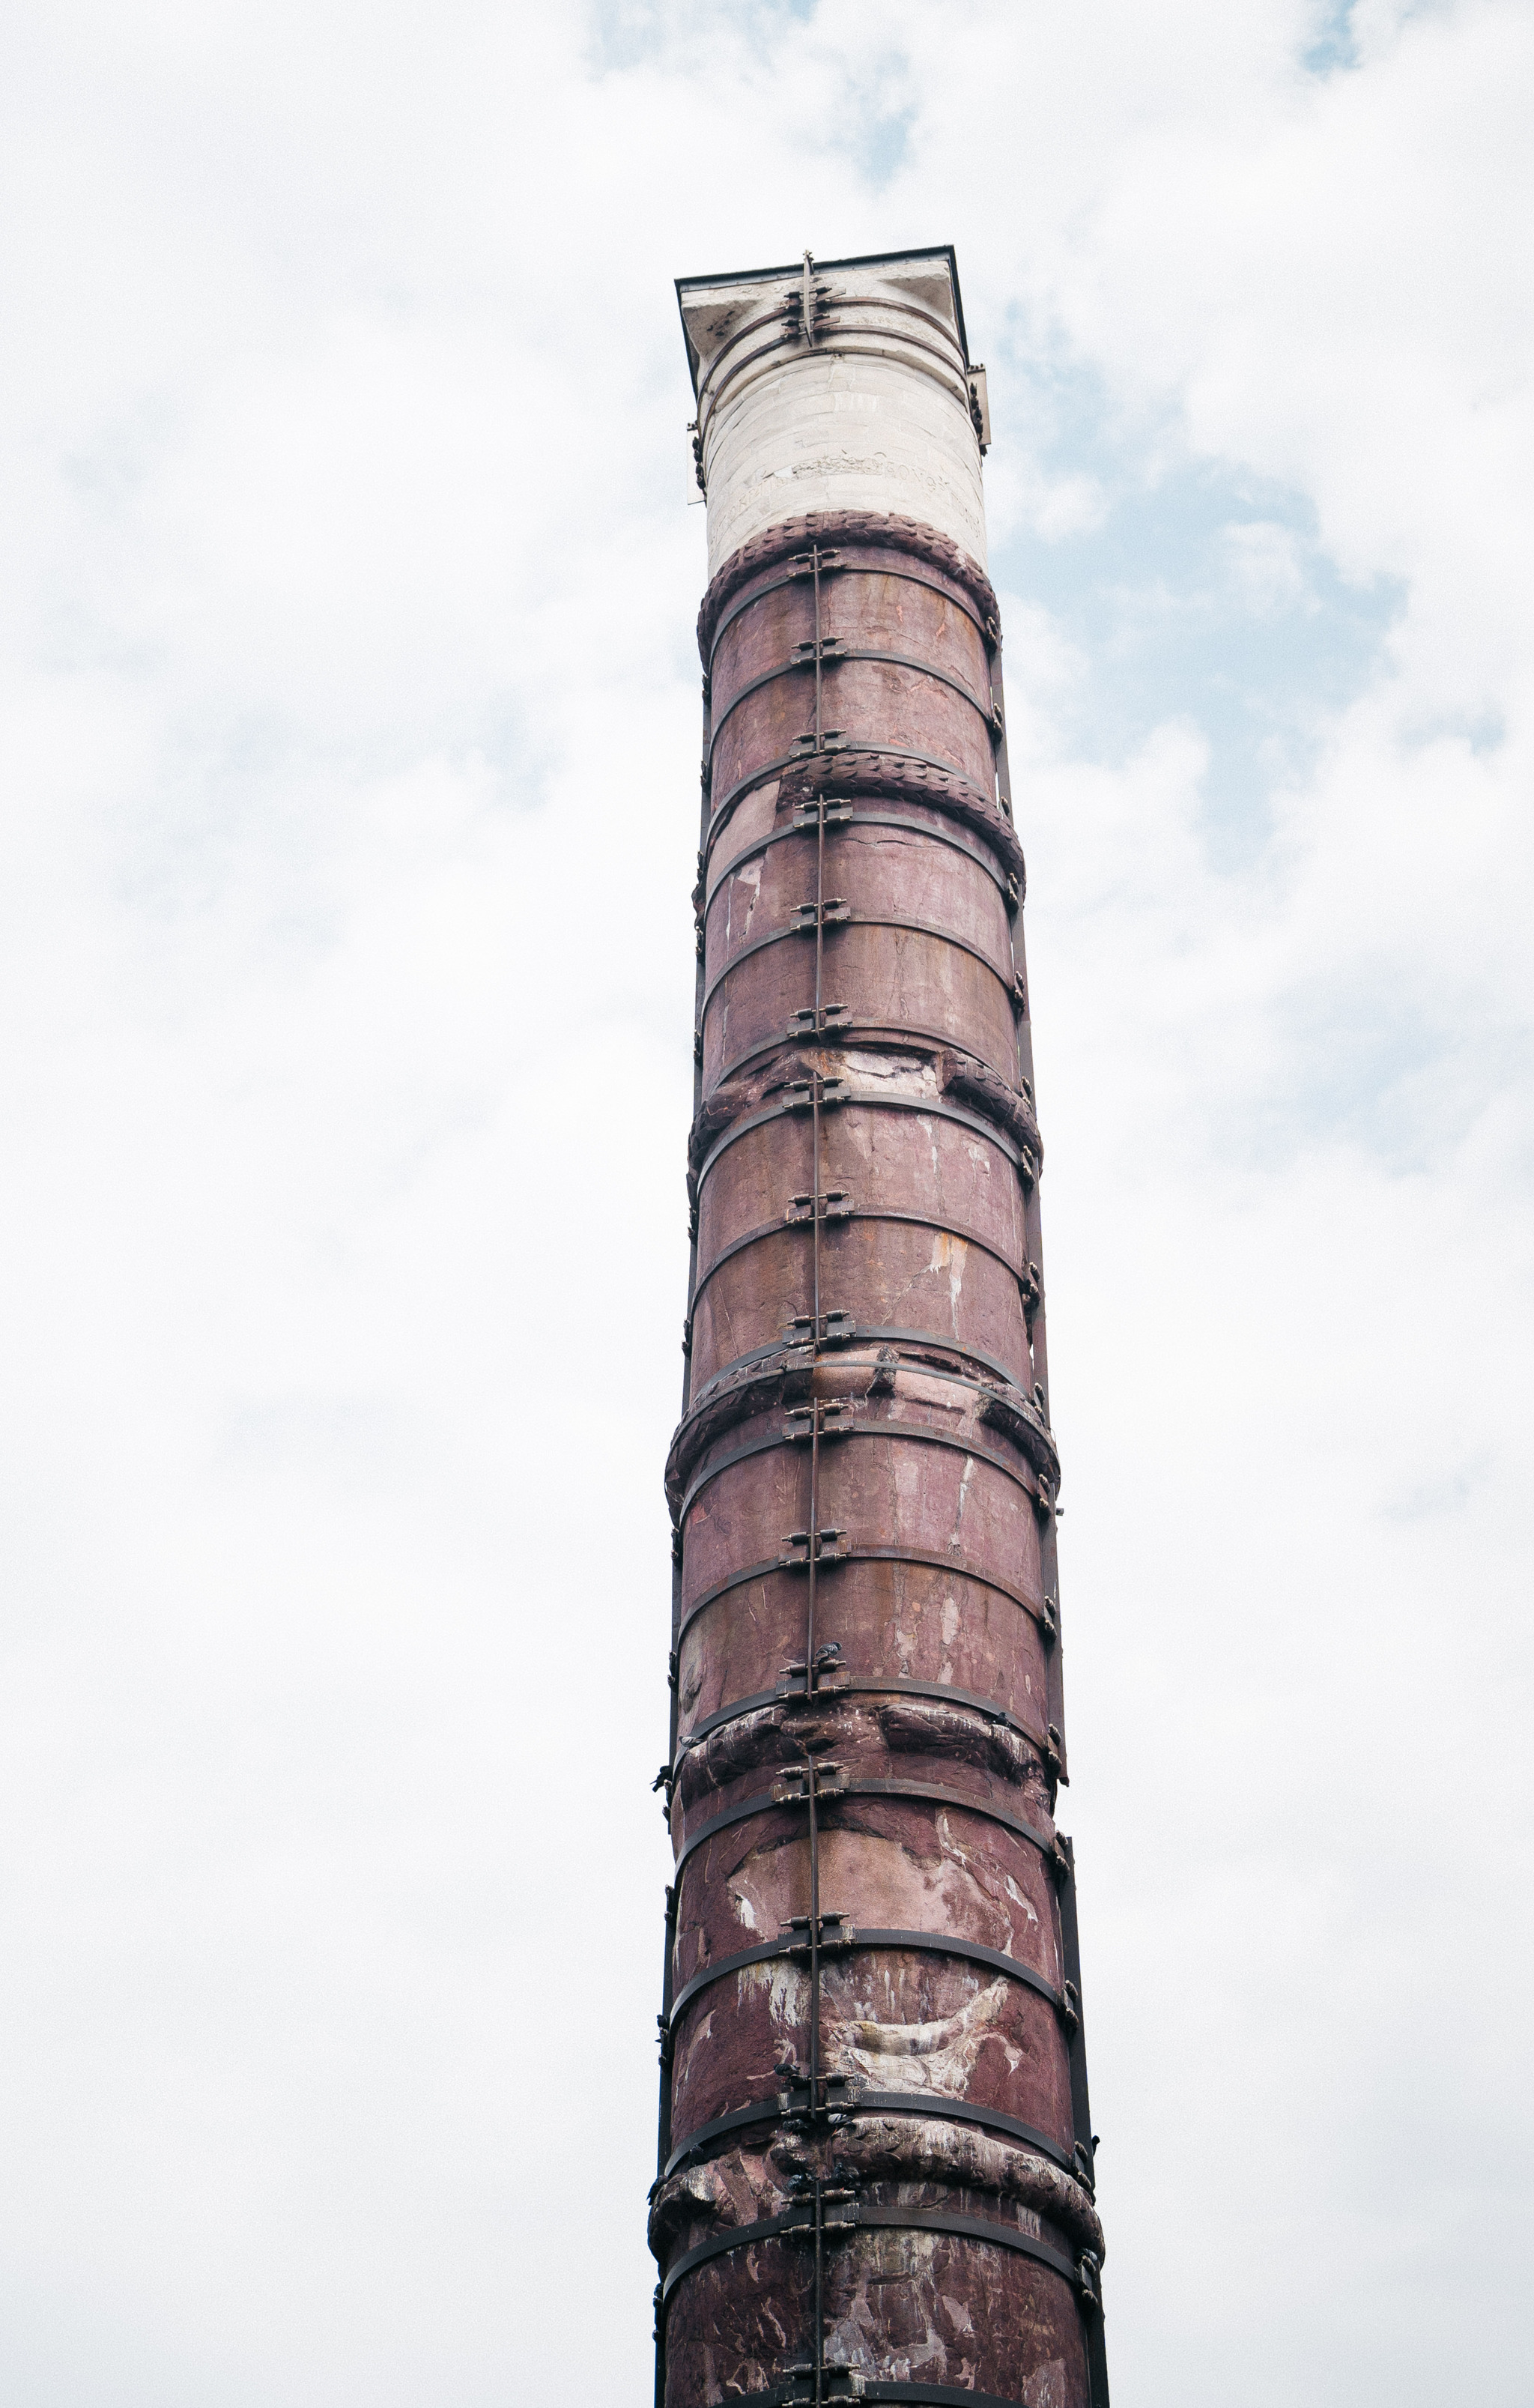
(939, 2056)
(749, 879)
(1046, 2386)
(948, 1255)
(1020, 1898)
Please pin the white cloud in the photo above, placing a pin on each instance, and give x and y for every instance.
(1265, 565)
(346, 980)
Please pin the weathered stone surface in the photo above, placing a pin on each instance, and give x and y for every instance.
(871, 1994)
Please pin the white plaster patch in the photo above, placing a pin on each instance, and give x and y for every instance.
(745, 893)
(1018, 1899)
(948, 1255)
(1046, 2386)
(939, 2056)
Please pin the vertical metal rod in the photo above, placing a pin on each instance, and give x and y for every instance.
(820, 910)
(814, 570)
(816, 1424)
(810, 1674)
(814, 1213)
(814, 1942)
(820, 2292)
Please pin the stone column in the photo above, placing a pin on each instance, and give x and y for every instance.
(876, 2176)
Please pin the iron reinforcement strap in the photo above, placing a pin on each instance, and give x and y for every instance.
(853, 1938)
(765, 1801)
(843, 2384)
(853, 343)
(784, 1227)
(840, 818)
(834, 563)
(868, 1333)
(855, 2217)
(858, 920)
(928, 1559)
(801, 759)
(845, 651)
(793, 2108)
(1021, 1159)
(915, 1433)
(836, 1034)
(833, 1683)
(789, 310)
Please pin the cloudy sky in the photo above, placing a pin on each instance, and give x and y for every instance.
(347, 812)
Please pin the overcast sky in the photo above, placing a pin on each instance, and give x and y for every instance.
(349, 806)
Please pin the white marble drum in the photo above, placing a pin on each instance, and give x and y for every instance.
(880, 410)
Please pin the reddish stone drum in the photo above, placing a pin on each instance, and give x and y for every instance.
(876, 2158)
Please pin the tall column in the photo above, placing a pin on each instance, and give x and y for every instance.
(876, 2155)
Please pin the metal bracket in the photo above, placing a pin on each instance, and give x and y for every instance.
(836, 1204)
(801, 1095)
(794, 1680)
(829, 1547)
(811, 916)
(827, 1417)
(980, 407)
(837, 1328)
(793, 1787)
(797, 1938)
(811, 1023)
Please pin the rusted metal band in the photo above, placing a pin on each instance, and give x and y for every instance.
(851, 342)
(850, 1940)
(782, 1227)
(764, 1802)
(849, 919)
(851, 2216)
(914, 1432)
(925, 1558)
(830, 659)
(843, 2383)
(832, 564)
(726, 1401)
(751, 326)
(790, 310)
(890, 778)
(834, 1036)
(838, 751)
(865, 1333)
(828, 530)
(840, 818)
(1021, 1159)
(834, 1684)
(966, 1081)
(793, 2107)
